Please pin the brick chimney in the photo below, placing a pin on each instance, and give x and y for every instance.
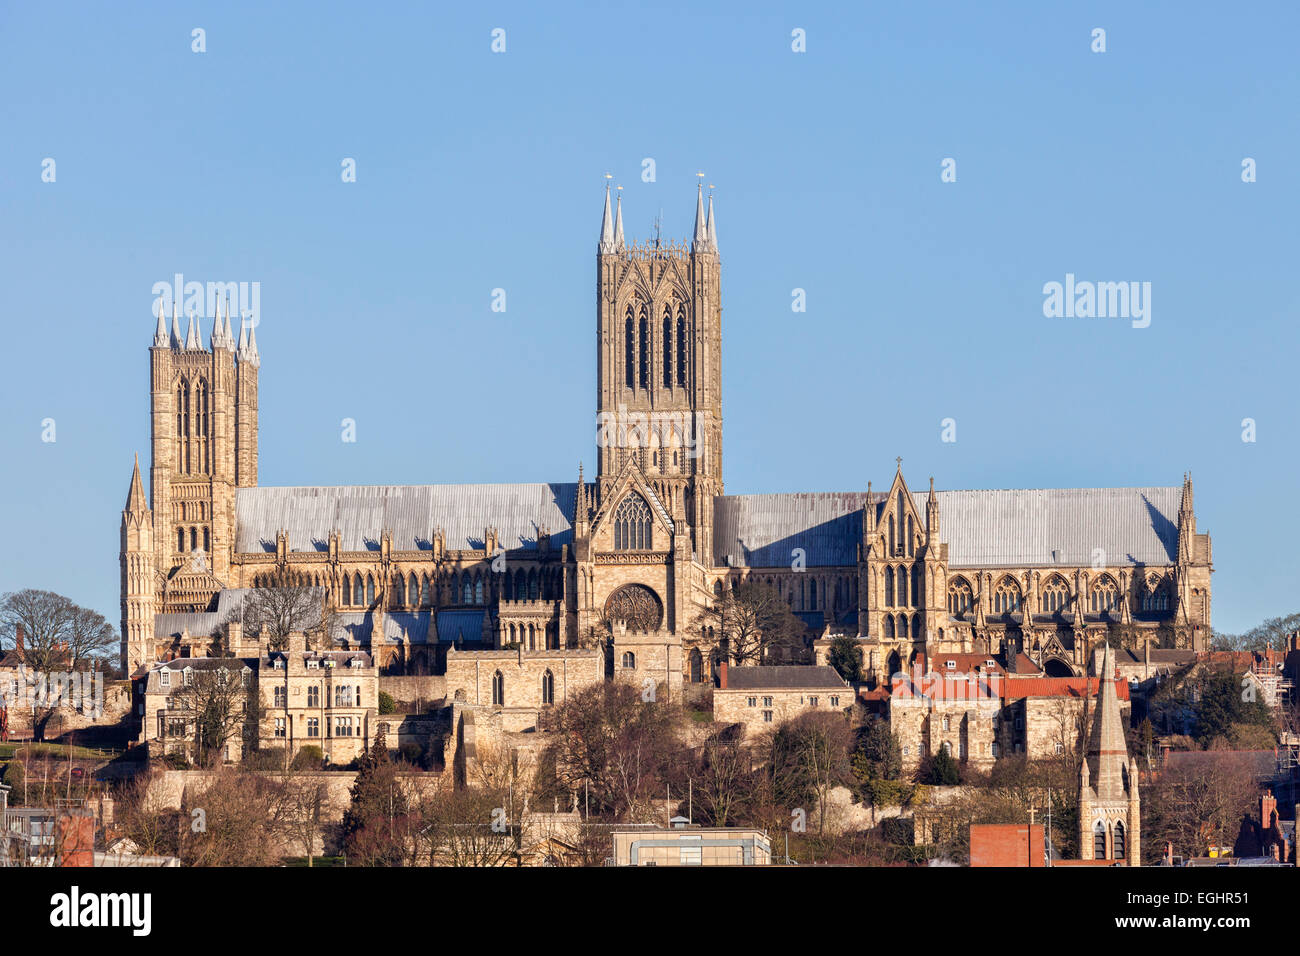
(19, 636)
(1267, 809)
(722, 676)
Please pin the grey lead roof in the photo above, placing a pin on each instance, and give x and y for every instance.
(1001, 528)
(998, 528)
(410, 512)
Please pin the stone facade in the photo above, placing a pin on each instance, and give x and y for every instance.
(325, 699)
(762, 698)
(627, 561)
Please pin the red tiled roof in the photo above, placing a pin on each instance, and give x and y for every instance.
(1058, 687)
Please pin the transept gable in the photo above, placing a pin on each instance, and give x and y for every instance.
(631, 480)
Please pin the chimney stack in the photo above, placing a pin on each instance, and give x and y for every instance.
(722, 675)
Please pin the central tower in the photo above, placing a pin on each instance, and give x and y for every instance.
(659, 366)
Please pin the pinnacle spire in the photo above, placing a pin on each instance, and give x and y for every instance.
(701, 242)
(191, 336)
(249, 353)
(217, 339)
(160, 340)
(712, 231)
(176, 327)
(607, 226)
(1107, 749)
(618, 223)
(135, 499)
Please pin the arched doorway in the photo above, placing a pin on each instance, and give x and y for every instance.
(696, 666)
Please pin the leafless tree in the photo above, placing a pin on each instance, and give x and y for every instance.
(57, 633)
(748, 620)
(283, 606)
(216, 702)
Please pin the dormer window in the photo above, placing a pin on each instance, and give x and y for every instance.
(188, 674)
(990, 664)
(278, 663)
(313, 665)
(165, 678)
(355, 662)
(951, 665)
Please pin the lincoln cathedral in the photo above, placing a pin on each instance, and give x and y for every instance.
(626, 559)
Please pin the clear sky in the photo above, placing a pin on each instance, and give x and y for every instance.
(479, 170)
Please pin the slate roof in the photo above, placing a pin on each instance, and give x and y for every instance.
(410, 512)
(785, 677)
(997, 528)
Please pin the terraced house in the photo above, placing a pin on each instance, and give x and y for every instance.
(625, 561)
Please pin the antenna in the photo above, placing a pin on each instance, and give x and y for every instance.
(658, 223)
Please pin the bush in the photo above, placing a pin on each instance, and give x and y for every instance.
(177, 760)
(386, 703)
(309, 757)
(13, 779)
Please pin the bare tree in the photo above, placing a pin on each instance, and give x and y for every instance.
(748, 620)
(237, 819)
(215, 700)
(284, 606)
(57, 633)
(719, 777)
(303, 820)
(1199, 803)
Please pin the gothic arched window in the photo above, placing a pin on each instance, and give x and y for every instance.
(645, 348)
(889, 587)
(629, 659)
(180, 539)
(632, 525)
(424, 589)
(668, 346)
(1105, 596)
(466, 589)
(959, 596)
(370, 590)
(916, 586)
(1006, 596)
(902, 625)
(548, 688)
(902, 586)
(629, 350)
(1054, 596)
(498, 689)
(478, 589)
(911, 538)
(681, 346)
(413, 590)
(1119, 841)
(1099, 841)
(889, 626)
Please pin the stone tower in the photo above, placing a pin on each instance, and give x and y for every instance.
(203, 405)
(1109, 808)
(138, 580)
(659, 369)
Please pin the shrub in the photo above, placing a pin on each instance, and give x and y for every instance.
(13, 779)
(386, 703)
(309, 757)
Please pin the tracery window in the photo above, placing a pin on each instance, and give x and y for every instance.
(1054, 596)
(548, 688)
(1105, 596)
(632, 525)
(1006, 596)
(645, 348)
(959, 597)
(629, 350)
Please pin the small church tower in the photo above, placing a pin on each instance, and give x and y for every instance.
(1109, 808)
(138, 586)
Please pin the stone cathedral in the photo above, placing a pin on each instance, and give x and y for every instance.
(625, 561)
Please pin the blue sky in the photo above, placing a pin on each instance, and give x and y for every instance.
(479, 170)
